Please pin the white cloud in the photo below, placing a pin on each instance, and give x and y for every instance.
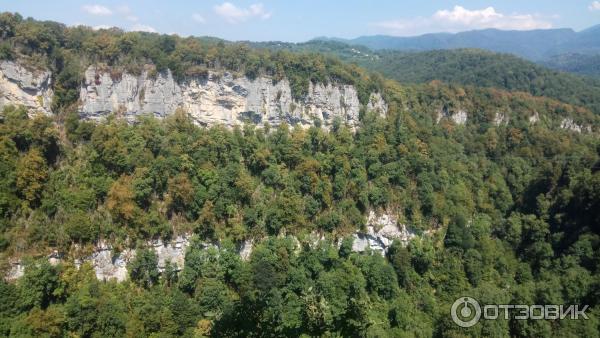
(460, 18)
(96, 10)
(142, 28)
(594, 6)
(198, 18)
(234, 14)
(99, 27)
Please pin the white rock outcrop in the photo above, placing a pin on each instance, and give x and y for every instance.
(500, 119)
(16, 270)
(535, 118)
(377, 104)
(21, 86)
(246, 249)
(382, 231)
(109, 265)
(172, 252)
(458, 117)
(571, 125)
(219, 99)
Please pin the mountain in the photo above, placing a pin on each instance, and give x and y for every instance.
(486, 69)
(135, 203)
(533, 44)
(581, 64)
(471, 67)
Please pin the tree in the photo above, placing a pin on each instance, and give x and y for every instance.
(120, 200)
(143, 269)
(32, 173)
(80, 228)
(458, 234)
(316, 314)
(96, 310)
(40, 285)
(181, 192)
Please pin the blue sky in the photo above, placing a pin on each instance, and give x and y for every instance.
(261, 20)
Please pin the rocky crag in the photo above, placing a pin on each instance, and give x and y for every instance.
(20, 85)
(211, 99)
(381, 231)
(219, 98)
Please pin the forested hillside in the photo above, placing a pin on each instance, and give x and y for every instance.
(504, 211)
(535, 44)
(582, 64)
(470, 67)
(67, 51)
(486, 69)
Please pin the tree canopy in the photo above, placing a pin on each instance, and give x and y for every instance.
(507, 213)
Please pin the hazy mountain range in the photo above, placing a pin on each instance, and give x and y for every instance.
(534, 45)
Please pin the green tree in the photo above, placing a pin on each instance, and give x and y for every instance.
(143, 269)
(40, 285)
(32, 172)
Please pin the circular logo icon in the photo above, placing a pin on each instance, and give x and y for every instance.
(466, 312)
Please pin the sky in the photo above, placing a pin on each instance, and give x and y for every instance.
(302, 20)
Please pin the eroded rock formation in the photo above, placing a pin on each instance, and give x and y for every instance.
(381, 231)
(219, 99)
(20, 85)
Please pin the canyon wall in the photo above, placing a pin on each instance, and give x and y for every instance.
(20, 85)
(381, 231)
(219, 98)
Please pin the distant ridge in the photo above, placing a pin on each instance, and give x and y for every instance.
(534, 45)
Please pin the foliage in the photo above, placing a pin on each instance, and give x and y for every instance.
(471, 67)
(69, 50)
(507, 213)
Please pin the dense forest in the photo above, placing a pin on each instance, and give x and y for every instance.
(534, 44)
(514, 208)
(487, 69)
(68, 50)
(472, 67)
(582, 64)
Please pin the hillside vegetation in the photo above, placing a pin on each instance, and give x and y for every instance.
(67, 51)
(472, 67)
(535, 45)
(581, 64)
(507, 213)
(487, 69)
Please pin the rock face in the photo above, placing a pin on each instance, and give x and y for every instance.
(219, 99)
(535, 118)
(382, 230)
(22, 86)
(571, 125)
(172, 252)
(246, 249)
(377, 104)
(109, 265)
(500, 119)
(16, 270)
(458, 117)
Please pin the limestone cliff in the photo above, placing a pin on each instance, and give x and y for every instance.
(381, 231)
(219, 99)
(20, 85)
